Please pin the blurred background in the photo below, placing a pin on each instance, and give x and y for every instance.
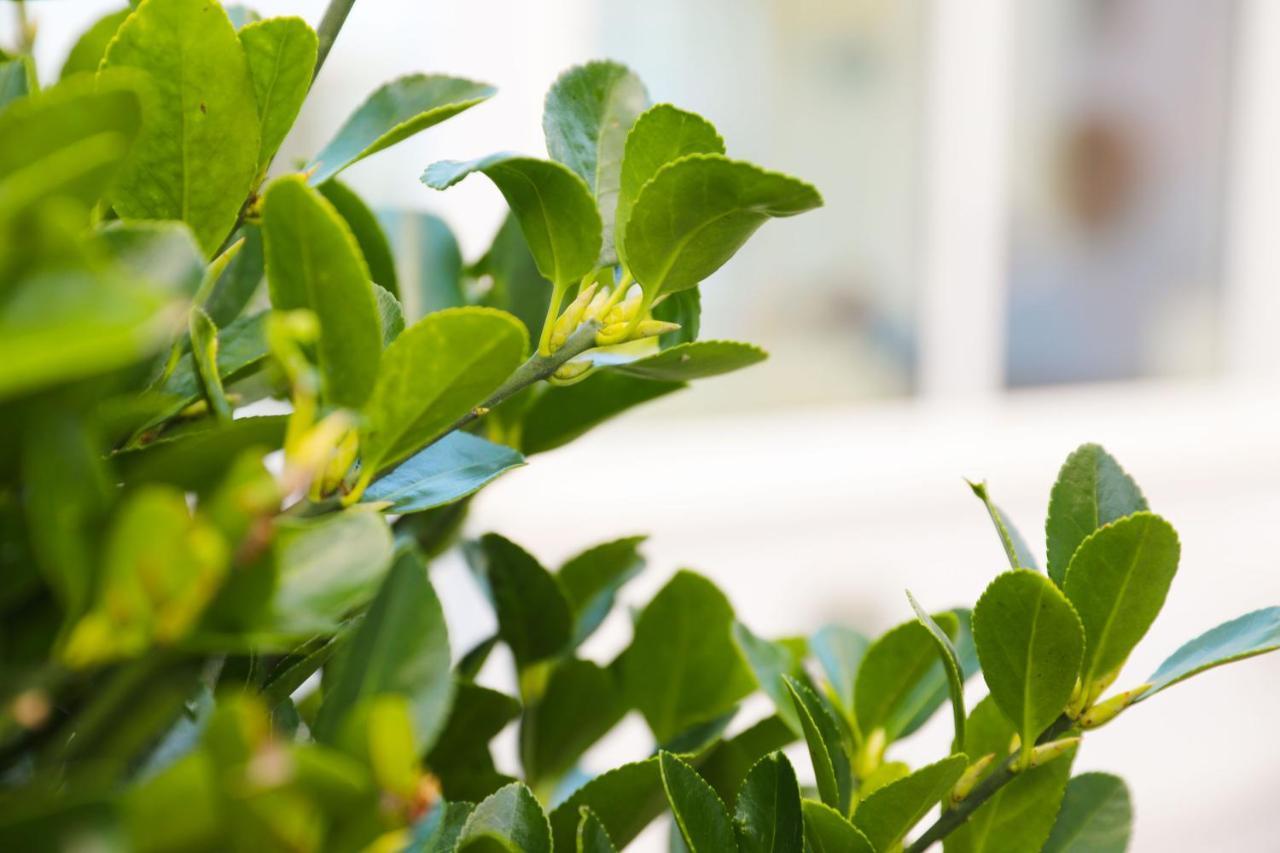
(1047, 222)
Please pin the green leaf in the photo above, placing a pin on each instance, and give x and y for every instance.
(313, 262)
(17, 80)
(580, 704)
(625, 799)
(368, 233)
(659, 136)
(840, 651)
(589, 111)
(429, 274)
(767, 816)
(390, 314)
(533, 616)
(401, 647)
(951, 663)
(164, 253)
(901, 679)
(696, 360)
(591, 580)
(86, 54)
(1117, 581)
(827, 831)
(196, 458)
(684, 308)
(508, 820)
(701, 817)
(204, 351)
(393, 113)
(1015, 547)
(554, 207)
(1096, 816)
(1018, 817)
(683, 667)
(461, 757)
(438, 832)
(327, 567)
(436, 371)
(887, 814)
(725, 764)
(592, 836)
(242, 349)
(516, 286)
(281, 53)
(197, 155)
(560, 415)
(1030, 643)
(457, 465)
(240, 279)
(828, 750)
(696, 212)
(771, 662)
(1243, 637)
(1092, 490)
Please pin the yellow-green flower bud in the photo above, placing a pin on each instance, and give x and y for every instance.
(1104, 712)
(653, 328)
(1046, 752)
(572, 316)
(570, 372)
(970, 777)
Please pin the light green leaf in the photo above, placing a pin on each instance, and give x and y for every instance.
(1092, 490)
(313, 262)
(1252, 634)
(828, 750)
(682, 667)
(696, 360)
(581, 703)
(771, 662)
(1015, 547)
(533, 616)
(1117, 581)
(659, 136)
(390, 314)
(1030, 644)
(1018, 817)
(198, 152)
(590, 581)
(457, 465)
(901, 679)
(696, 212)
(436, 371)
(827, 831)
(510, 820)
(767, 816)
(204, 350)
(393, 113)
(592, 836)
(401, 647)
(887, 814)
(1096, 816)
(951, 663)
(552, 204)
(86, 54)
(281, 53)
(702, 819)
(840, 651)
(368, 233)
(589, 111)
(559, 415)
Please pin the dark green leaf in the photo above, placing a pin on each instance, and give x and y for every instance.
(828, 750)
(1015, 547)
(901, 679)
(1030, 643)
(887, 814)
(591, 579)
(368, 233)
(562, 414)
(461, 757)
(240, 280)
(281, 53)
(393, 113)
(625, 800)
(204, 351)
(196, 458)
(1092, 490)
(1096, 816)
(242, 350)
(685, 308)
(840, 651)
(827, 831)
(951, 663)
(697, 360)
(17, 80)
(726, 764)
(581, 703)
(592, 836)
(701, 817)
(767, 816)
(508, 820)
(164, 253)
(457, 465)
(438, 832)
(512, 278)
(1243, 637)
(86, 54)
(533, 616)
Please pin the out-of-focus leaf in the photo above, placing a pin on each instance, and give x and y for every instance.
(591, 579)
(683, 307)
(511, 278)
(533, 616)
(460, 757)
(771, 662)
(17, 79)
(368, 233)
(204, 350)
(390, 314)
(560, 415)
(196, 458)
(582, 701)
(86, 54)
(840, 651)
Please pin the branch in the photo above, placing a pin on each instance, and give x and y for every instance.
(330, 25)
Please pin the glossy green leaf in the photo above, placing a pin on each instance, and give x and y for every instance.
(281, 53)
(592, 836)
(1117, 581)
(239, 281)
(828, 749)
(1018, 817)
(771, 662)
(368, 233)
(828, 831)
(438, 832)
(393, 113)
(436, 371)
(461, 758)
(509, 820)
(1015, 547)
(198, 152)
(684, 308)
(900, 678)
(696, 212)
(554, 207)
(625, 799)
(401, 647)
(1252, 634)
(560, 415)
(1092, 490)
(683, 667)
(457, 465)
(697, 360)
(887, 814)
(533, 616)
(589, 111)
(313, 262)
(1096, 816)
(767, 815)
(580, 704)
(660, 135)
(726, 763)
(702, 819)
(204, 351)
(1030, 643)
(591, 580)
(86, 54)
(951, 663)
(840, 651)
